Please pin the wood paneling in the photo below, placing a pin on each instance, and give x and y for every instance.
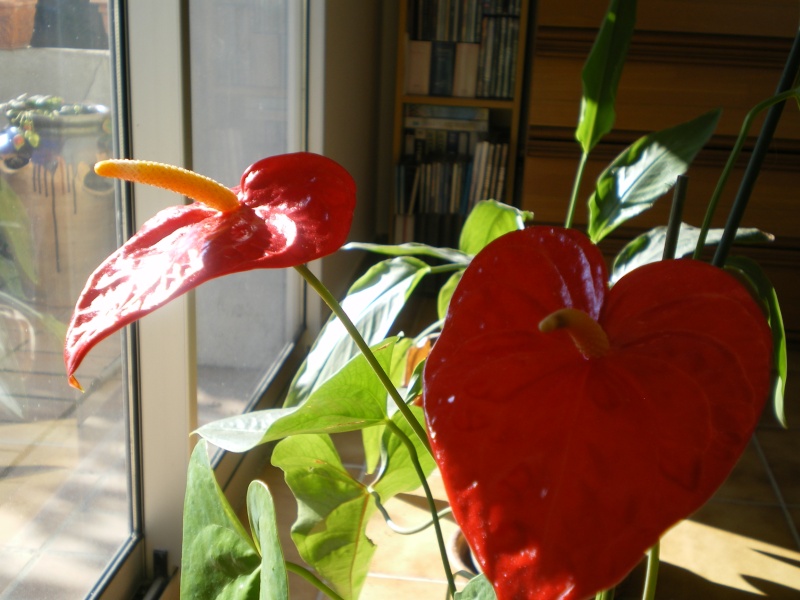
(686, 58)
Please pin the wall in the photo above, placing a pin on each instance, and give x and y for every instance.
(343, 112)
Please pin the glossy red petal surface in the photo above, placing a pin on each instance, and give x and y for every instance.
(562, 470)
(293, 209)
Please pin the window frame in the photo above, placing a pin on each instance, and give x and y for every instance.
(149, 47)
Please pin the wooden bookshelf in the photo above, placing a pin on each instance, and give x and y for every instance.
(500, 102)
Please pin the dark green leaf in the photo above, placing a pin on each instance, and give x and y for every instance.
(753, 272)
(649, 246)
(264, 525)
(488, 221)
(645, 172)
(354, 398)
(602, 72)
(478, 588)
(373, 304)
(219, 559)
(399, 474)
(412, 249)
(333, 511)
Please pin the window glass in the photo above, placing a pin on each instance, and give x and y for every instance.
(65, 493)
(242, 72)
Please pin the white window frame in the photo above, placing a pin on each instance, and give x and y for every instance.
(155, 64)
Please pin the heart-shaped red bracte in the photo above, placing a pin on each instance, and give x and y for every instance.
(563, 470)
(292, 209)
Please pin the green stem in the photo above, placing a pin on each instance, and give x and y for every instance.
(412, 452)
(652, 573)
(605, 595)
(405, 530)
(747, 124)
(312, 579)
(337, 309)
(448, 268)
(576, 186)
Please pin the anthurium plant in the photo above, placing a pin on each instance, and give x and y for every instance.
(575, 415)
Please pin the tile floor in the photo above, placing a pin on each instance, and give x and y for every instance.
(742, 545)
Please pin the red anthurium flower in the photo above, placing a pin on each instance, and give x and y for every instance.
(288, 210)
(573, 425)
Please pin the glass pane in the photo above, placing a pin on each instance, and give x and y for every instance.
(241, 68)
(65, 500)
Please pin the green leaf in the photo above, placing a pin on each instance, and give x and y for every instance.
(372, 303)
(478, 588)
(332, 511)
(644, 172)
(487, 221)
(264, 525)
(15, 228)
(753, 272)
(446, 292)
(219, 560)
(399, 475)
(412, 249)
(602, 72)
(649, 246)
(354, 398)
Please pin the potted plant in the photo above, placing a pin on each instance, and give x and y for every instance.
(559, 408)
(47, 149)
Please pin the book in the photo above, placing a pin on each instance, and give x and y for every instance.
(418, 67)
(475, 113)
(443, 57)
(465, 72)
(445, 124)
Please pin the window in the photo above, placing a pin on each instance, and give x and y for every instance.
(91, 484)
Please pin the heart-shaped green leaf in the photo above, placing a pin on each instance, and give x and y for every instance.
(478, 588)
(333, 511)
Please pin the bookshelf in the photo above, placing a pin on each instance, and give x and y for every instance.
(458, 109)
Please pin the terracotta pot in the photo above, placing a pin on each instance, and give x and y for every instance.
(16, 23)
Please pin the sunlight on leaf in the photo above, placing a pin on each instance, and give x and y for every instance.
(478, 588)
(488, 221)
(644, 172)
(333, 511)
(263, 524)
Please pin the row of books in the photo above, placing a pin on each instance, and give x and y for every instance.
(485, 69)
(447, 187)
(454, 20)
(443, 132)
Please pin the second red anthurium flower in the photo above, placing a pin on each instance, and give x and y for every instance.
(573, 424)
(288, 210)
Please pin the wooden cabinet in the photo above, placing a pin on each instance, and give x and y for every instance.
(460, 83)
(685, 58)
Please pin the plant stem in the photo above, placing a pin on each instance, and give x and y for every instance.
(675, 215)
(573, 201)
(312, 579)
(735, 152)
(405, 530)
(605, 595)
(787, 81)
(337, 309)
(451, 584)
(651, 578)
